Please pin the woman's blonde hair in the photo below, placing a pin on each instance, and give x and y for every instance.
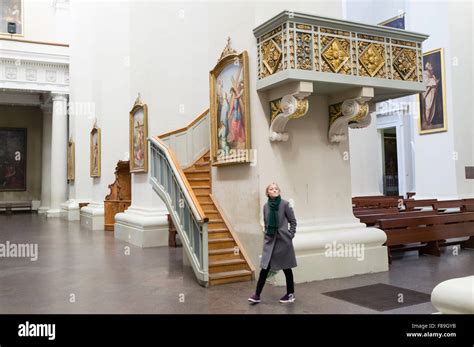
(271, 184)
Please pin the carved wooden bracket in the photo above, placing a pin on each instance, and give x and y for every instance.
(284, 109)
(352, 113)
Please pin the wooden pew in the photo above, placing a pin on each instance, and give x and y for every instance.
(441, 206)
(430, 230)
(386, 202)
(411, 205)
(360, 211)
(10, 205)
(372, 219)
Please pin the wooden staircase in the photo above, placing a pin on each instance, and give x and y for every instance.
(227, 262)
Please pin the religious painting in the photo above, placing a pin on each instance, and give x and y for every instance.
(397, 22)
(230, 109)
(138, 137)
(12, 159)
(95, 152)
(432, 102)
(71, 157)
(11, 11)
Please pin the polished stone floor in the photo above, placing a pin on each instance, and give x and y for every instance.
(81, 271)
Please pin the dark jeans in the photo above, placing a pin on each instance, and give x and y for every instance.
(290, 286)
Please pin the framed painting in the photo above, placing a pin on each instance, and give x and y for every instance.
(11, 14)
(230, 108)
(138, 137)
(95, 152)
(13, 159)
(71, 161)
(432, 102)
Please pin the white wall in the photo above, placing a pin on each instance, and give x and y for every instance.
(437, 174)
(99, 77)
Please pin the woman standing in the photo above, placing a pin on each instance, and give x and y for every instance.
(278, 252)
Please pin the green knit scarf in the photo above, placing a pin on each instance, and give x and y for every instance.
(273, 204)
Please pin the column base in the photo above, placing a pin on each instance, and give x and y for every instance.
(70, 210)
(142, 227)
(53, 213)
(92, 216)
(454, 296)
(43, 209)
(329, 250)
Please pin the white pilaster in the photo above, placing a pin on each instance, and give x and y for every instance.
(46, 161)
(92, 216)
(70, 210)
(454, 296)
(334, 248)
(142, 226)
(59, 137)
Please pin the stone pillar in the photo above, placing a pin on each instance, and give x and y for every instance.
(46, 160)
(59, 138)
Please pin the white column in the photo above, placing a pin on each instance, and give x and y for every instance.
(59, 138)
(46, 160)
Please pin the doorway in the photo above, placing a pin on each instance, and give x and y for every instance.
(390, 162)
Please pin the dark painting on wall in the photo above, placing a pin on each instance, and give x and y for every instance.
(12, 159)
(395, 22)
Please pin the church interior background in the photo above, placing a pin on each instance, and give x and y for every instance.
(137, 139)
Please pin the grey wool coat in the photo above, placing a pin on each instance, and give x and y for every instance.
(278, 249)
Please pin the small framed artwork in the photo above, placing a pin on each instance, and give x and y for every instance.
(138, 137)
(13, 159)
(95, 152)
(11, 17)
(71, 160)
(432, 102)
(230, 108)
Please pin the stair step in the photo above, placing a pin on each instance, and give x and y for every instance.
(201, 194)
(196, 171)
(224, 239)
(218, 220)
(193, 179)
(201, 187)
(229, 277)
(210, 211)
(221, 251)
(226, 262)
(218, 230)
(207, 203)
(204, 163)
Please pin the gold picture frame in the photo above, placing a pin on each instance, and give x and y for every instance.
(138, 139)
(230, 108)
(71, 161)
(432, 116)
(95, 152)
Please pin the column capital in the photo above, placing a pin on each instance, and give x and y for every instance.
(59, 97)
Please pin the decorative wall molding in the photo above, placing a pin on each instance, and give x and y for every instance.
(34, 67)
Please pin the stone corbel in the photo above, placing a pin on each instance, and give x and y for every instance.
(294, 104)
(353, 113)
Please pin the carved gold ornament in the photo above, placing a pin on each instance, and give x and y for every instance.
(405, 62)
(227, 50)
(371, 59)
(275, 108)
(335, 55)
(271, 55)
